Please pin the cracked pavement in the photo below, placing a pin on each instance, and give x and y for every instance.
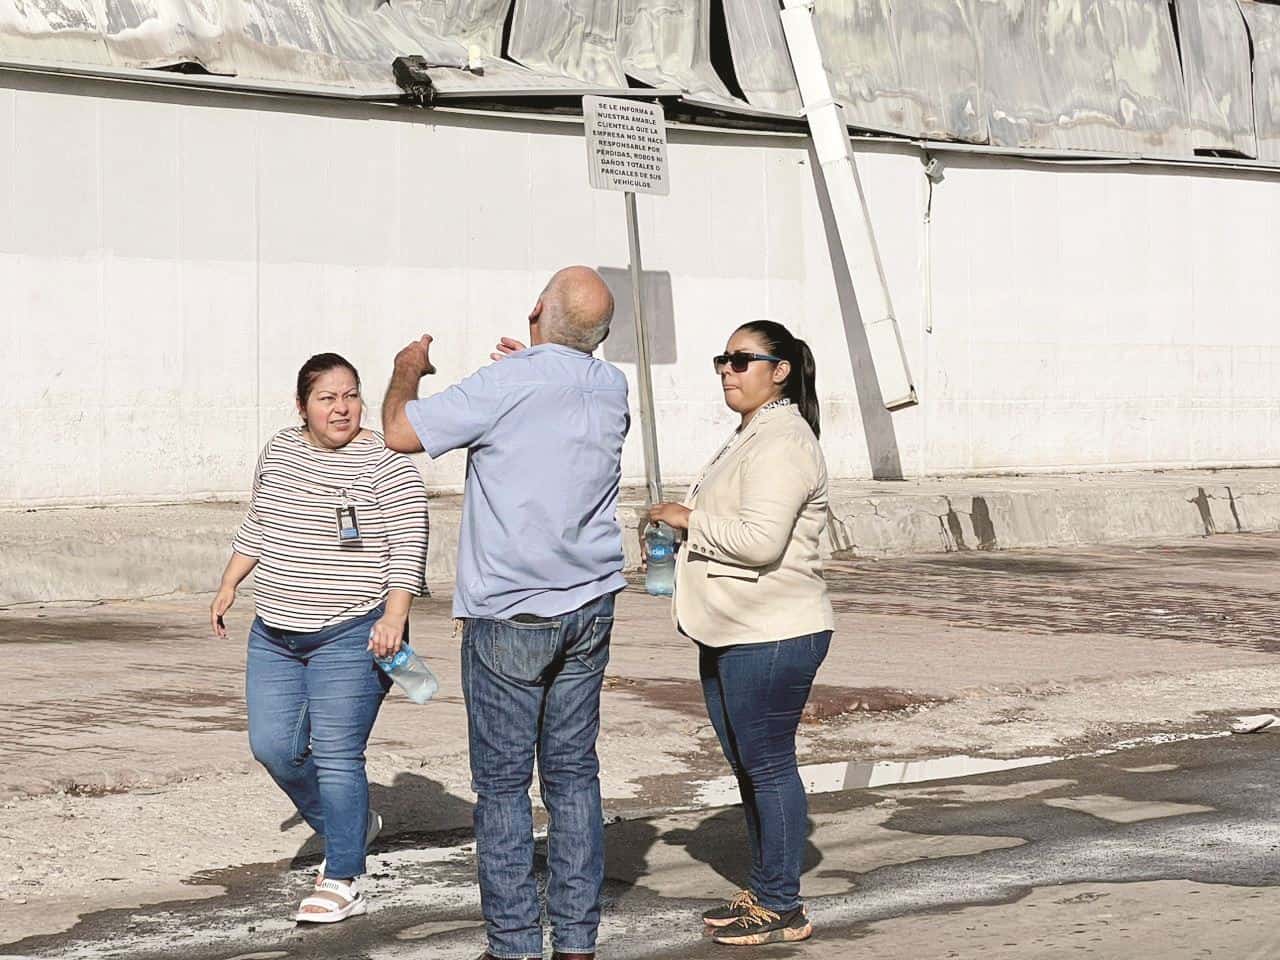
(133, 822)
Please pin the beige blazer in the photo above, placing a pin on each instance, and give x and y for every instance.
(750, 571)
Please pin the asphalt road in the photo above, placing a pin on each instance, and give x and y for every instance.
(1165, 850)
(133, 822)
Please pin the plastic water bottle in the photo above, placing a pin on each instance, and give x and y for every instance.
(412, 674)
(660, 560)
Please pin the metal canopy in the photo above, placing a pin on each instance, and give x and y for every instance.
(908, 68)
(1264, 30)
(668, 42)
(760, 57)
(1083, 74)
(569, 38)
(1087, 75)
(1216, 70)
(502, 79)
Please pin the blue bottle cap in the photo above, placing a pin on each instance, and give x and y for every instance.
(396, 660)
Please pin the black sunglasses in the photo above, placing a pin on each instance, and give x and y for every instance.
(740, 360)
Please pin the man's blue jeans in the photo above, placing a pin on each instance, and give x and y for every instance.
(533, 689)
(312, 699)
(755, 693)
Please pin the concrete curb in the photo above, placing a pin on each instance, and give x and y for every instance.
(89, 554)
(1051, 512)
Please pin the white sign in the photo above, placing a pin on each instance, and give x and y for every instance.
(626, 145)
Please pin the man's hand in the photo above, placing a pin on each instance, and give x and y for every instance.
(672, 514)
(411, 365)
(416, 357)
(506, 347)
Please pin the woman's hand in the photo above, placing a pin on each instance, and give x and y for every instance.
(386, 636)
(222, 602)
(672, 514)
(238, 567)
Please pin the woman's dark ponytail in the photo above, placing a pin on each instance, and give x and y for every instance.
(800, 386)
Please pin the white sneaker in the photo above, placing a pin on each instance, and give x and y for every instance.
(370, 834)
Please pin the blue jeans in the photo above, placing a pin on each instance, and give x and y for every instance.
(533, 689)
(312, 699)
(755, 693)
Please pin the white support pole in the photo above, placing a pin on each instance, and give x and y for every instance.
(839, 172)
(648, 422)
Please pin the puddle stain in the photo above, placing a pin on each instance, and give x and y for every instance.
(1032, 854)
(826, 701)
(965, 794)
(1121, 810)
(837, 777)
(704, 857)
(1091, 593)
(252, 903)
(67, 627)
(829, 702)
(435, 928)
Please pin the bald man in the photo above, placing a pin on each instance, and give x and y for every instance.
(539, 563)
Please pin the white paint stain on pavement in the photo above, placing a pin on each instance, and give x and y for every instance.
(855, 775)
(1121, 810)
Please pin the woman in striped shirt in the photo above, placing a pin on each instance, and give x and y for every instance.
(337, 535)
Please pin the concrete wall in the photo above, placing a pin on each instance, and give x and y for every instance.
(168, 259)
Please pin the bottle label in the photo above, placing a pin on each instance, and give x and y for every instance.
(395, 661)
(660, 551)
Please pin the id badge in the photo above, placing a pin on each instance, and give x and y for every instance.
(348, 526)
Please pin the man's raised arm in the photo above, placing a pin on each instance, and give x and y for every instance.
(411, 365)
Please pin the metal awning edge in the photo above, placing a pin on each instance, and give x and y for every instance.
(391, 94)
(586, 90)
(198, 81)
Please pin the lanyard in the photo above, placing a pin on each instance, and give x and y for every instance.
(728, 445)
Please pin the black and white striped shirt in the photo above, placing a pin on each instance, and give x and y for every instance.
(306, 579)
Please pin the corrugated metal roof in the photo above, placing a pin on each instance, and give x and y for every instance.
(1216, 70)
(570, 38)
(1090, 75)
(665, 42)
(1264, 29)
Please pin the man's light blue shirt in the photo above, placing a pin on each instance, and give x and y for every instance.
(543, 430)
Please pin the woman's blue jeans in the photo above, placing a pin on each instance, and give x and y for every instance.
(755, 693)
(312, 699)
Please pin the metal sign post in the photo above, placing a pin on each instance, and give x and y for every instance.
(627, 151)
(648, 426)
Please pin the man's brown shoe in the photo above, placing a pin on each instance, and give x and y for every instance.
(489, 956)
(557, 955)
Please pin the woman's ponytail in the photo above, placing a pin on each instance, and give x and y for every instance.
(800, 386)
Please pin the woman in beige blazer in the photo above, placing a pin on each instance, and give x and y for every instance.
(750, 593)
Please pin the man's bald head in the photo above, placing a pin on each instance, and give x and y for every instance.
(575, 309)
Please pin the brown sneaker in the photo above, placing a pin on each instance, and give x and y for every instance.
(759, 925)
(726, 913)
